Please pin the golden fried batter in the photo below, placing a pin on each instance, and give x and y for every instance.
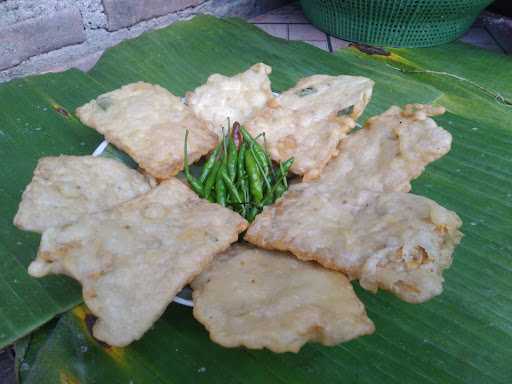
(309, 120)
(149, 123)
(132, 260)
(64, 188)
(262, 299)
(238, 97)
(351, 220)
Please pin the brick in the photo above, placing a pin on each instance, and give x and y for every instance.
(40, 35)
(124, 13)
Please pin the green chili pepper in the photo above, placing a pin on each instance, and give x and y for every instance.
(281, 183)
(208, 166)
(241, 180)
(269, 196)
(237, 138)
(212, 175)
(261, 158)
(253, 211)
(260, 153)
(255, 184)
(244, 189)
(240, 171)
(232, 158)
(220, 188)
(247, 136)
(260, 167)
(280, 186)
(231, 187)
(283, 169)
(280, 190)
(210, 180)
(267, 156)
(196, 186)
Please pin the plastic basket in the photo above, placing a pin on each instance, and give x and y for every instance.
(395, 23)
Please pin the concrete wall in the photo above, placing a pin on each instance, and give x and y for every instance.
(42, 35)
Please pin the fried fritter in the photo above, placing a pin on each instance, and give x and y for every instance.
(309, 120)
(132, 260)
(391, 150)
(149, 123)
(262, 299)
(393, 240)
(351, 220)
(64, 188)
(237, 97)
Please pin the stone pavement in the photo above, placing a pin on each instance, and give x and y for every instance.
(489, 31)
(7, 370)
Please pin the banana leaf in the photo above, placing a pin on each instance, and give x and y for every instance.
(462, 336)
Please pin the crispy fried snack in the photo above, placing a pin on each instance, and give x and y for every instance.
(132, 260)
(309, 120)
(64, 188)
(262, 299)
(391, 150)
(237, 97)
(149, 123)
(390, 240)
(351, 220)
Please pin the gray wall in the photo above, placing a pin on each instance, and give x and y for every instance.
(43, 35)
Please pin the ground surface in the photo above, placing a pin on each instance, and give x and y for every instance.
(490, 32)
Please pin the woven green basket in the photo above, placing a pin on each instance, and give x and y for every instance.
(395, 23)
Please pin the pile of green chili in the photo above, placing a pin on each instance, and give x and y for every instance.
(239, 174)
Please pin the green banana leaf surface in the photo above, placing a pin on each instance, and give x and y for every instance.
(462, 336)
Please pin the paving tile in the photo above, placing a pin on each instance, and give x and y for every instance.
(501, 30)
(277, 30)
(338, 43)
(306, 32)
(320, 44)
(7, 372)
(479, 22)
(479, 37)
(291, 14)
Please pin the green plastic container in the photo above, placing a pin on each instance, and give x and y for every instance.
(394, 23)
